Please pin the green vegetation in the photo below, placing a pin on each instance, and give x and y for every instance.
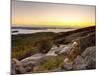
(24, 45)
(50, 63)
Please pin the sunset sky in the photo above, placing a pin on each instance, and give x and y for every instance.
(25, 13)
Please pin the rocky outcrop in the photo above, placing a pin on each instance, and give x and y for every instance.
(67, 37)
(87, 60)
(62, 49)
(80, 44)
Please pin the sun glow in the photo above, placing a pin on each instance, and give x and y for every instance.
(42, 14)
(68, 22)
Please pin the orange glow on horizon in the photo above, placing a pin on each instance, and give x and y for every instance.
(67, 23)
(48, 14)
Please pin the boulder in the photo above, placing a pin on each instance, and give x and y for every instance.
(80, 44)
(89, 56)
(17, 67)
(67, 65)
(32, 61)
(63, 49)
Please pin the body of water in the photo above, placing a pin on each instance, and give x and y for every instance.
(26, 31)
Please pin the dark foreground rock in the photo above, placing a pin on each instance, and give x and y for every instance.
(87, 60)
(89, 56)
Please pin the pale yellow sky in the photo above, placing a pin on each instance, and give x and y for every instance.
(50, 14)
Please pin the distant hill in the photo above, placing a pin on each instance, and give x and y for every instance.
(67, 37)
